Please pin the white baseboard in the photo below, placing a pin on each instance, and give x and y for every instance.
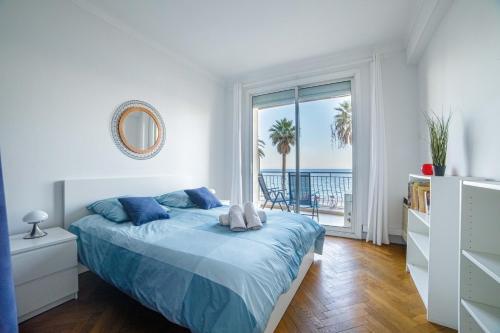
(393, 239)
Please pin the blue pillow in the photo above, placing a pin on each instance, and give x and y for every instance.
(178, 199)
(143, 209)
(111, 209)
(203, 198)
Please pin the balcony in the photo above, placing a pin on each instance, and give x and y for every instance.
(331, 189)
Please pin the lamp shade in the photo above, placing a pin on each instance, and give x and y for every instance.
(35, 216)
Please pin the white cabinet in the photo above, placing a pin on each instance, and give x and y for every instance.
(479, 305)
(432, 249)
(45, 271)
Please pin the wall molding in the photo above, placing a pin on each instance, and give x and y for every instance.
(125, 28)
(429, 16)
(333, 62)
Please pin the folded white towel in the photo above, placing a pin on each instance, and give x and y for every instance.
(262, 215)
(224, 219)
(236, 219)
(251, 217)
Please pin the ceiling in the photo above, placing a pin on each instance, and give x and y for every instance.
(232, 37)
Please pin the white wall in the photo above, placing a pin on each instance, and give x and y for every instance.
(460, 71)
(63, 71)
(400, 97)
(399, 82)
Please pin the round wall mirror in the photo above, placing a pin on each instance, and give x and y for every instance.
(138, 129)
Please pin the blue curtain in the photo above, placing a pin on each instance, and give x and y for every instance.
(8, 313)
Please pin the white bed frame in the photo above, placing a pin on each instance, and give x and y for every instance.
(78, 193)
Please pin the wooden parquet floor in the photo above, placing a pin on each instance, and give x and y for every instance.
(353, 287)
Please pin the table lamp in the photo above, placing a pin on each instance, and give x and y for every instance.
(34, 218)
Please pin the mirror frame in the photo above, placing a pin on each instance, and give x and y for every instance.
(118, 131)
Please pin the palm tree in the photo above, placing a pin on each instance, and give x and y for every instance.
(260, 148)
(341, 130)
(282, 135)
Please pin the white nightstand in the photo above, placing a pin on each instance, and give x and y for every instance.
(45, 271)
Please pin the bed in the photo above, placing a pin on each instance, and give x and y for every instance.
(193, 271)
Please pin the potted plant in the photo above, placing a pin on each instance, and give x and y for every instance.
(438, 132)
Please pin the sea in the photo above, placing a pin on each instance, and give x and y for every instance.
(338, 172)
(330, 178)
(332, 183)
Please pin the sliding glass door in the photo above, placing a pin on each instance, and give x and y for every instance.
(276, 143)
(303, 153)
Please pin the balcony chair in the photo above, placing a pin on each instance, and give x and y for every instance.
(273, 195)
(307, 198)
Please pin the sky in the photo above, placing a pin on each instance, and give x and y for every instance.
(316, 148)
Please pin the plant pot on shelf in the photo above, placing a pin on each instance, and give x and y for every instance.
(439, 170)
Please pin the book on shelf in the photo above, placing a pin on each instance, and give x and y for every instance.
(422, 195)
(414, 201)
(419, 196)
(428, 202)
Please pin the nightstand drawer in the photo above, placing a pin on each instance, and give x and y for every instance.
(31, 265)
(38, 295)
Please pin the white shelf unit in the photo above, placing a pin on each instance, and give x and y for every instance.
(432, 249)
(479, 286)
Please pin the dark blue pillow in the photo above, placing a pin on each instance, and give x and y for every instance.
(143, 209)
(203, 198)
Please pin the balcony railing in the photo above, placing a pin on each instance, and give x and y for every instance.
(330, 187)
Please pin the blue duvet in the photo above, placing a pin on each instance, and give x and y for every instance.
(197, 273)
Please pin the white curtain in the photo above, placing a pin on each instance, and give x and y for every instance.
(236, 178)
(378, 225)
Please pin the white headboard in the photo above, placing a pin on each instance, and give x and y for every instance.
(78, 193)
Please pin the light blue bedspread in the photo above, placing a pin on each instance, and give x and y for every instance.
(197, 273)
